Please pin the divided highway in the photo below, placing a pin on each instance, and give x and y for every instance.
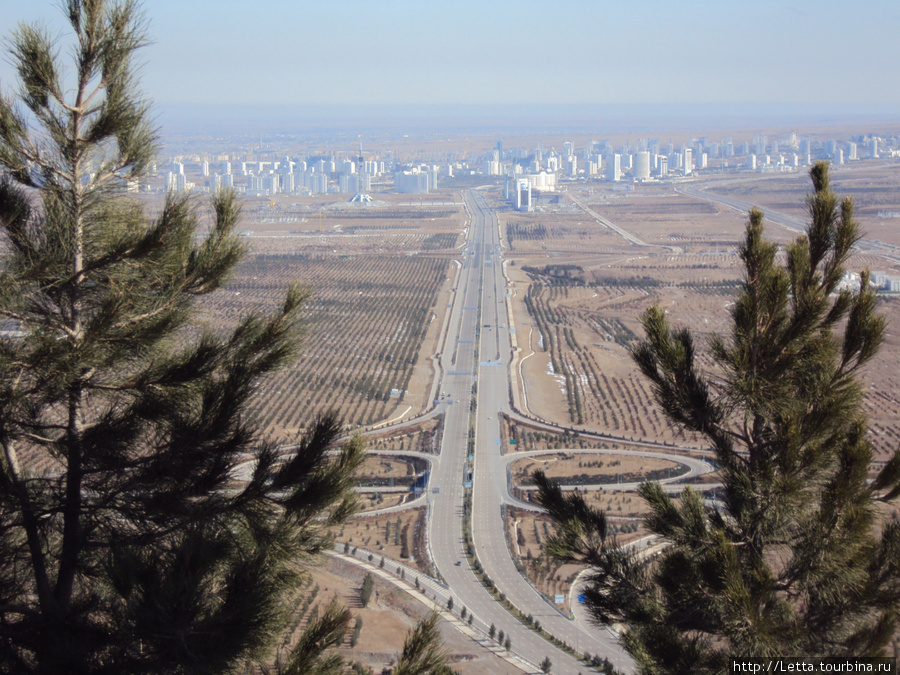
(479, 309)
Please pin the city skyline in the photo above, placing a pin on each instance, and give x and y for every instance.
(468, 54)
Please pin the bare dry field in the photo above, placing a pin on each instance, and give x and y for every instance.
(386, 621)
(576, 314)
(589, 469)
(873, 186)
(527, 532)
(397, 536)
(371, 501)
(521, 437)
(424, 436)
(565, 229)
(389, 471)
(660, 216)
(372, 323)
(433, 229)
(366, 324)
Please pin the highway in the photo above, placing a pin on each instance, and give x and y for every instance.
(889, 252)
(479, 309)
(628, 236)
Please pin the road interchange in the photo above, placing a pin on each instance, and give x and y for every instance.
(475, 366)
(474, 380)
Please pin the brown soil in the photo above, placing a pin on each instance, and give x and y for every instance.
(424, 436)
(381, 535)
(388, 618)
(574, 351)
(592, 468)
(371, 501)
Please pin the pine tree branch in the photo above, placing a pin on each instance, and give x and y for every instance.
(37, 320)
(35, 438)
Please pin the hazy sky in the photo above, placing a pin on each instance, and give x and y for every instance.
(369, 52)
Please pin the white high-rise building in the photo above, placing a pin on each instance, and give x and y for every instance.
(851, 152)
(641, 166)
(688, 162)
(182, 184)
(553, 163)
(760, 143)
(204, 167)
(407, 182)
(270, 183)
(542, 181)
(491, 167)
(316, 183)
(614, 167)
(663, 163)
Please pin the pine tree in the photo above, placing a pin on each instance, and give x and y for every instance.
(796, 554)
(126, 544)
(422, 652)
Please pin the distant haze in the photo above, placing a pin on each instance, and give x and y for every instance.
(449, 57)
(506, 120)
